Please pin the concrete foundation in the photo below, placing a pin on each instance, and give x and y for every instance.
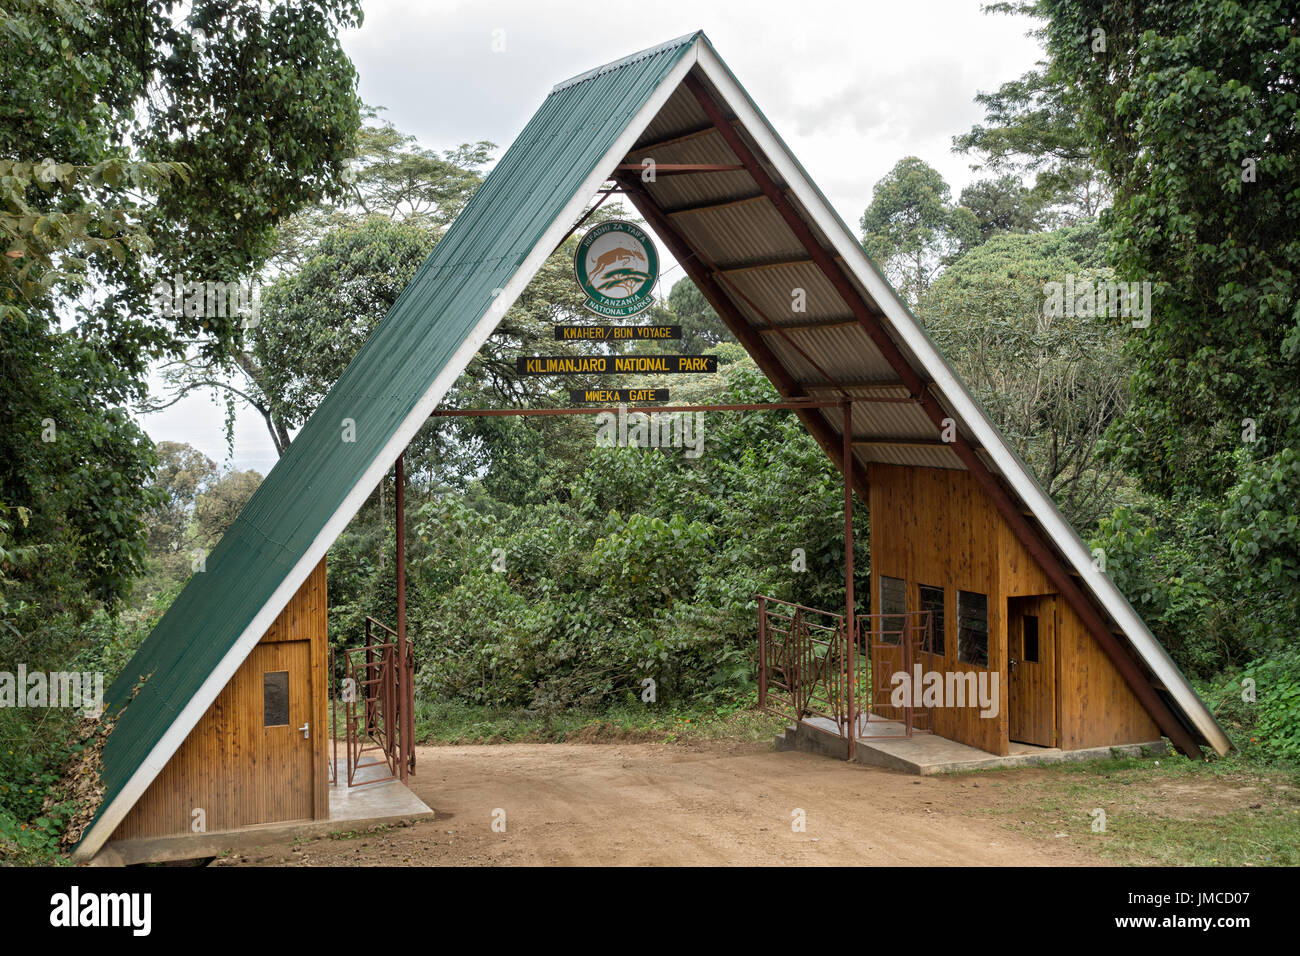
(380, 801)
(882, 743)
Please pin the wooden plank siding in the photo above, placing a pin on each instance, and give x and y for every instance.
(217, 767)
(937, 527)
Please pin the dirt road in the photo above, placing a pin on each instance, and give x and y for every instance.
(653, 804)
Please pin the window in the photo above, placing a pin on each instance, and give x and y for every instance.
(893, 609)
(275, 698)
(932, 601)
(1031, 638)
(973, 628)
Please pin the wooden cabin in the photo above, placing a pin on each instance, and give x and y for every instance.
(939, 545)
(260, 754)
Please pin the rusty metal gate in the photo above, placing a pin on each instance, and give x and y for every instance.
(894, 645)
(376, 712)
(802, 669)
(809, 666)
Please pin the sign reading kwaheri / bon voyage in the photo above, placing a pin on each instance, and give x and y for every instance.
(617, 266)
(615, 364)
(604, 333)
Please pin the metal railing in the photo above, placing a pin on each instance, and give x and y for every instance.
(373, 708)
(802, 662)
(893, 644)
(808, 666)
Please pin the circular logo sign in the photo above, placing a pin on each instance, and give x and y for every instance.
(616, 265)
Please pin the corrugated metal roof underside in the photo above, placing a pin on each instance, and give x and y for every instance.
(544, 168)
(761, 265)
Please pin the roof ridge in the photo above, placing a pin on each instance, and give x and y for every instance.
(631, 58)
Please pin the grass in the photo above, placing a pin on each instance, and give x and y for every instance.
(461, 723)
(1160, 811)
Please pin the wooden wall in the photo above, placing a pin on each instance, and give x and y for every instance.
(937, 527)
(1095, 707)
(216, 768)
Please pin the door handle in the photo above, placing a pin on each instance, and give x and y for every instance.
(1013, 663)
(306, 730)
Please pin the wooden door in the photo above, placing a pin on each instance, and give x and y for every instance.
(279, 766)
(1031, 670)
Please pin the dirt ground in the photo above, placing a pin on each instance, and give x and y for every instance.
(700, 803)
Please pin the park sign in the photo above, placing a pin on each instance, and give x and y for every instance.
(616, 333)
(615, 364)
(585, 396)
(617, 267)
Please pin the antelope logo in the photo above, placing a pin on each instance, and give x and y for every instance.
(617, 267)
(619, 254)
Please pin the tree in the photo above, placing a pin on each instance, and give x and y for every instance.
(701, 326)
(1031, 126)
(399, 199)
(392, 176)
(912, 229)
(183, 474)
(1052, 384)
(316, 318)
(1001, 205)
(1200, 138)
(137, 143)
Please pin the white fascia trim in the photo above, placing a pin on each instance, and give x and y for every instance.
(963, 404)
(189, 717)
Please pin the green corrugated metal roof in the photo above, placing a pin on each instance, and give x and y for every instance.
(520, 199)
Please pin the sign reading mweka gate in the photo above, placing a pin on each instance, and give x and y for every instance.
(615, 364)
(580, 396)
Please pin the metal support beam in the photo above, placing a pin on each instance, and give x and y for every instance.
(992, 486)
(404, 716)
(710, 205)
(850, 619)
(688, 135)
(765, 264)
(598, 409)
(679, 169)
(604, 194)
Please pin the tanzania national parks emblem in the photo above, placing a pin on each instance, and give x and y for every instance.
(617, 267)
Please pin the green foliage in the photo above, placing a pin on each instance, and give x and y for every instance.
(136, 141)
(1277, 688)
(1190, 110)
(702, 327)
(642, 565)
(1052, 384)
(912, 229)
(1030, 126)
(1180, 566)
(316, 318)
(1002, 205)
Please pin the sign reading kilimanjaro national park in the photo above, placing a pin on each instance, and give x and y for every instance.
(616, 265)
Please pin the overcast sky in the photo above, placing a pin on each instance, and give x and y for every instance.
(852, 87)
